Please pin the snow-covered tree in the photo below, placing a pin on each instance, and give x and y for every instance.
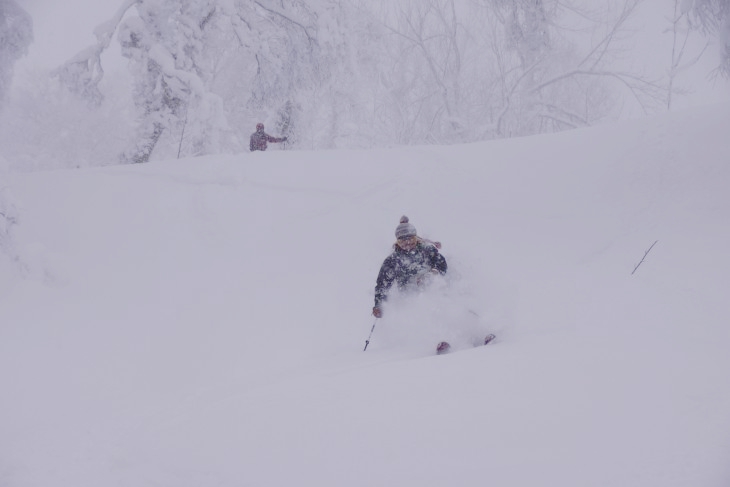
(165, 41)
(713, 17)
(430, 42)
(362, 73)
(16, 34)
(681, 31)
(166, 44)
(82, 73)
(267, 59)
(554, 64)
(520, 40)
(527, 26)
(463, 71)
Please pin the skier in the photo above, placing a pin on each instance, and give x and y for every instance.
(411, 265)
(260, 138)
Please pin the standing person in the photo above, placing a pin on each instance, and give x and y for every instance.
(260, 138)
(413, 261)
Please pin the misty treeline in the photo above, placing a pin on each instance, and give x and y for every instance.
(334, 73)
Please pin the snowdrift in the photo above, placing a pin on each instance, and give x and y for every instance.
(201, 321)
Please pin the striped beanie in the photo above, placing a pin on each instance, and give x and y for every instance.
(405, 229)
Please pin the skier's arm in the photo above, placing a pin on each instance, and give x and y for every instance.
(269, 138)
(386, 276)
(438, 262)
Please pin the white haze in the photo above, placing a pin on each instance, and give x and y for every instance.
(62, 30)
(367, 99)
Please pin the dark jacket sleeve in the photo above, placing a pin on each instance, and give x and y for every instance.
(269, 138)
(386, 276)
(437, 261)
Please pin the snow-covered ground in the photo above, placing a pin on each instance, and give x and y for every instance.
(201, 322)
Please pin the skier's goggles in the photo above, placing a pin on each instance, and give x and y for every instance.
(412, 239)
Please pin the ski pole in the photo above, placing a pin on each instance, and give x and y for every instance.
(367, 342)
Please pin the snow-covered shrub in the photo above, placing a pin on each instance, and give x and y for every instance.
(16, 34)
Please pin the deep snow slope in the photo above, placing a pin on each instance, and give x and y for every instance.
(201, 322)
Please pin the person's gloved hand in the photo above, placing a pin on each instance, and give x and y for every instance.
(377, 312)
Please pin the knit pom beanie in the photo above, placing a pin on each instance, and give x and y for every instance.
(405, 229)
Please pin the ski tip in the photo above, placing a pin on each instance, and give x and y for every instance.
(489, 338)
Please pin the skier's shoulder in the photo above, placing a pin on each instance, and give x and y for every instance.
(428, 246)
(396, 256)
(393, 256)
(430, 252)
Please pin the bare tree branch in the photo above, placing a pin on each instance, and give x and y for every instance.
(279, 14)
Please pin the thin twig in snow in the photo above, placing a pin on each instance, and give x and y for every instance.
(642, 259)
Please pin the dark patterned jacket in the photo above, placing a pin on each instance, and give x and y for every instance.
(404, 267)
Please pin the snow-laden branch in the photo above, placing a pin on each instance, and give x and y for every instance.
(83, 72)
(597, 54)
(712, 17)
(289, 19)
